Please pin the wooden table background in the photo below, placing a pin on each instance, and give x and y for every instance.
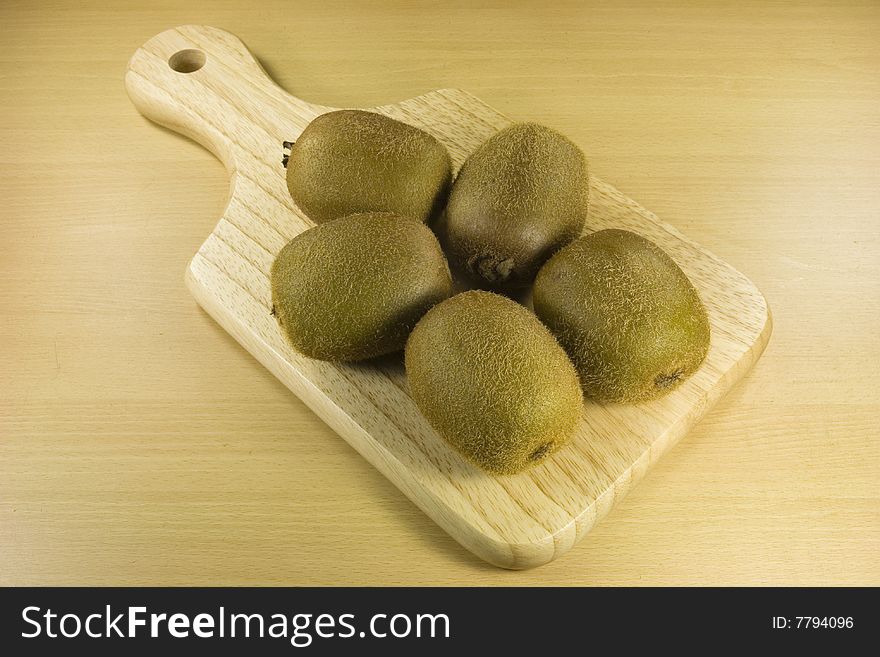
(139, 444)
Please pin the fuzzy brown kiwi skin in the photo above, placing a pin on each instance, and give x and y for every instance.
(518, 198)
(493, 381)
(629, 318)
(353, 161)
(354, 288)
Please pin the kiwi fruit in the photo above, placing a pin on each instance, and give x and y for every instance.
(518, 198)
(629, 318)
(493, 381)
(352, 161)
(354, 288)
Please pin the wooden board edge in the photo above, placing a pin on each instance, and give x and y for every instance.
(516, 556)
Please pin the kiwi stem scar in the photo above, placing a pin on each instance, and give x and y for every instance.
(541, 451)
(667, 380)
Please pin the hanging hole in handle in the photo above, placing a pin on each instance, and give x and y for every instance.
(187, 61)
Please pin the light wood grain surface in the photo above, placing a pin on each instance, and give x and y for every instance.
(140, 444)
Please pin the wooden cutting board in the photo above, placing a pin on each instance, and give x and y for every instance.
(204, 83)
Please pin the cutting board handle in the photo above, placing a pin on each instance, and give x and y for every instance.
(204, 83)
